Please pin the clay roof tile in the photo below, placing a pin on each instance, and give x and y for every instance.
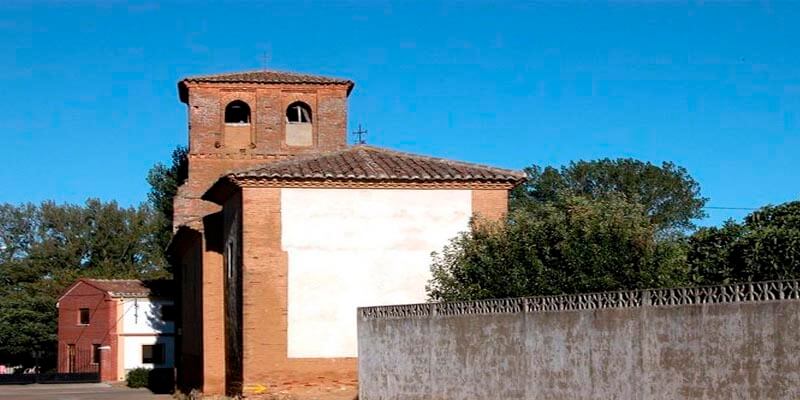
(372, 163)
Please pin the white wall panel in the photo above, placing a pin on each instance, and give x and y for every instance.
(144, 316)
(133, 351)
(357, 247)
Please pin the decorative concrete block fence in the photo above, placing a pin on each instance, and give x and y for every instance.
(721, 342)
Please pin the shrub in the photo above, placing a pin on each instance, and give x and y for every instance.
(138, 377)
(570, 245)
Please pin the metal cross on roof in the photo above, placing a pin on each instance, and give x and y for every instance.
(360, 135)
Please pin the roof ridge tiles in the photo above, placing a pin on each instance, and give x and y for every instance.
(368, 162)
(443, 160)
(266, 76)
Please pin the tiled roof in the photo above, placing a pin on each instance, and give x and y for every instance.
(372, 163)
(267, 76)
(131, 287)
(264, 76)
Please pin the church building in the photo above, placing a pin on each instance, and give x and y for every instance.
(283, 229)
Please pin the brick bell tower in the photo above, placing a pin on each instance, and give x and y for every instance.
(242, 119)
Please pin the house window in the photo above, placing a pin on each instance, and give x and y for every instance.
(237, 112)
(298, 113)
(83, 316)
(153, 353)
(168, 312)
(95, 353)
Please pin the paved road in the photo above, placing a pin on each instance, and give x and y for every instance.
(75, 391)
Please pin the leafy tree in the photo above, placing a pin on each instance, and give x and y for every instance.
(28, 322)
(765, 247)
(567, 245)
(709, 253)
(164, 182)
(589, 226)
(670, 197)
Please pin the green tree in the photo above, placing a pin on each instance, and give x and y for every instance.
(766, 246)
(164, 182)
(567, 245)
(28, 322)
(670, 197)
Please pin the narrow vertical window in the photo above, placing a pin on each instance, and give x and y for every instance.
(83, 316)
(229, 261)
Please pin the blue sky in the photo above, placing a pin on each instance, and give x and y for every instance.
(88, 98)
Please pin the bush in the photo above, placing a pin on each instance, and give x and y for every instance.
(571, 245)
(138, 377)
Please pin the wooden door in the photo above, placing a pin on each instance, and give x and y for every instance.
(71, 357)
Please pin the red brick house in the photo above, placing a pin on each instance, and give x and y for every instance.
(283, 229)
(115, 325)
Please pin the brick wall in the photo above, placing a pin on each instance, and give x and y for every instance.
(100, 330)
(490, 204)
(210, 158)
(213, 306)
(265, 265)
(264, 269)
(264, 293)
(268, 105)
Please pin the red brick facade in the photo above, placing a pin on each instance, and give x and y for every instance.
(210, 156)
(253, 334)
(101, 330)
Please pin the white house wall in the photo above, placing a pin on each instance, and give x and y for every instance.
(132, 346)
(359, 247)
(143, 316)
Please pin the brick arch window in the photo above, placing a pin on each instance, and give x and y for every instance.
(298, 113)
(299, 130)
(237, 112)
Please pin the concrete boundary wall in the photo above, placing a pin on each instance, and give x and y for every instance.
(724, 342)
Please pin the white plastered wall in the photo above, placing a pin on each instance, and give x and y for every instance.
(141, 324)
(143, 316)
(133, 351)
(349, 248)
